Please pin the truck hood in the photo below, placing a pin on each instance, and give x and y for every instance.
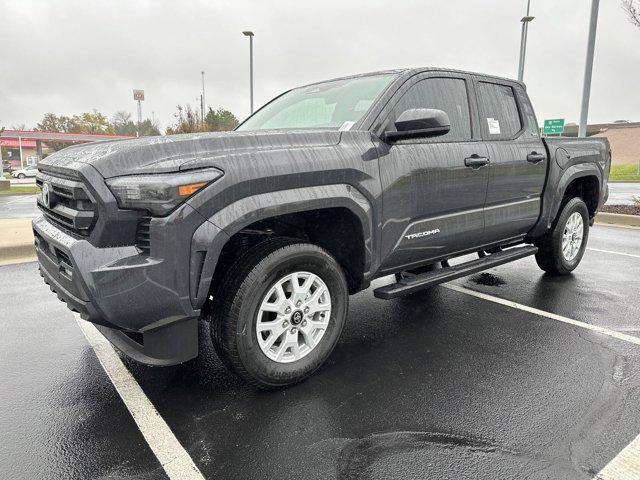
(182, 152)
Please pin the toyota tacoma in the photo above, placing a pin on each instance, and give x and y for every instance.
(265, 231)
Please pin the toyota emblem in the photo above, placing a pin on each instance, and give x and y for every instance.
(45, 195)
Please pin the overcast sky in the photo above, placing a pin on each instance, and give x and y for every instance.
(70, 56)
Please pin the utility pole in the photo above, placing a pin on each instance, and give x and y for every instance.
(138, 96)
(523, 41)
(3, 182)
(250, 35)
(202, 101)
(588, 69)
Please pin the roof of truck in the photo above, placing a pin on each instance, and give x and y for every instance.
(412, 71)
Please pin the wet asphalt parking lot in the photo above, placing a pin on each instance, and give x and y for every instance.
(441, 384)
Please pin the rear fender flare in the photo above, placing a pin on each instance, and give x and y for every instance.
(572, 173)
(555, 193)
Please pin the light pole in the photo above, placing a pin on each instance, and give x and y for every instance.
(523, 41)
(250, 35)
(202, 102)
(588, 68)
(3, 182)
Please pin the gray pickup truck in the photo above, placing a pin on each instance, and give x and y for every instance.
(265, 231)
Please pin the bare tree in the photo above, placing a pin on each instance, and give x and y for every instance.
(632, 7)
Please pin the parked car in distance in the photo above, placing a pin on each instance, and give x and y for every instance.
(265, 231)
(30, 171)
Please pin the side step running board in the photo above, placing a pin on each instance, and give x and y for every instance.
(429, 279)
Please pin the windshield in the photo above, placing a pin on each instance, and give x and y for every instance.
(333, 105)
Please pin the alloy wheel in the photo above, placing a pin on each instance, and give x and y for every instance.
(572, 236)
(293, 317)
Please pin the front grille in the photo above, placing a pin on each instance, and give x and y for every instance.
(70, 205)
(57, 257)
(143, 236)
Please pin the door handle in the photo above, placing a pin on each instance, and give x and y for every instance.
(535, 157)
(475, 161)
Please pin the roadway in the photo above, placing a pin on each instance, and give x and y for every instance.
(443, 384)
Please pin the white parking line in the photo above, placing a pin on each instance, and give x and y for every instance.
(175, 460)
(615, 253)
(625, 465)
(542, 313)
(23, 199)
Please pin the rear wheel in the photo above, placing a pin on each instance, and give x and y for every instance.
(279, 312)
(21, 176)
(562, 247)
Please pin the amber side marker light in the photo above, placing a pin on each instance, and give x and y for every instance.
(190, 189)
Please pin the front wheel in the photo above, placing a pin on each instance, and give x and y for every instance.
(21, 176)
(279, 312)
(562, 247)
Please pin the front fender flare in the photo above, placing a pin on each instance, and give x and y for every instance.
(210, 237)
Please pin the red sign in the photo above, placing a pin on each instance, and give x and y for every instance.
(138, 94)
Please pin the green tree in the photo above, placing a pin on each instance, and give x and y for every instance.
(95, 123)
(220, 120)
(88, 122)
(123, 125)
(91, 122)
(148, 128)
(54, 123)
(187, 121)
(632, 7)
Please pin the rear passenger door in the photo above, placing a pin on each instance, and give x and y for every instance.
(518, 159)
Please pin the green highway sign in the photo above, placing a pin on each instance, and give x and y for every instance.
(555, 125)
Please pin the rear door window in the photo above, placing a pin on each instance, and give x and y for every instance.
(499, 113)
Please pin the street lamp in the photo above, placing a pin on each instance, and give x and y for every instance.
(523, 41)
(202, 102)
(250, 35)
(588, 69)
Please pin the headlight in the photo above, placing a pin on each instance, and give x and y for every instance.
(160, 193)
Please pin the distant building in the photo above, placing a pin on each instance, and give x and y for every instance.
(27, 147)
(624, 137)
(11, 151)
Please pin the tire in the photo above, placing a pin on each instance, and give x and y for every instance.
(551, 257)
(21, 176)
(239, 308)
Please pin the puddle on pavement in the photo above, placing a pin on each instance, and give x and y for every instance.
(488, 279)
(422, 455)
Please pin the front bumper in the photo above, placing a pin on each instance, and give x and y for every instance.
(135, 300)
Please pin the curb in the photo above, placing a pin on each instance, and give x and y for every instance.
(18, 253)
(618, 219)
(16, 241)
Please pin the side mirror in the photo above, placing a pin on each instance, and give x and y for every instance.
(420, 122)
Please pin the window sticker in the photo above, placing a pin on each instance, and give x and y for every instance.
(346, 126)
(494, 126)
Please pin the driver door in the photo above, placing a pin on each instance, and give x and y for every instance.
(433, 196)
